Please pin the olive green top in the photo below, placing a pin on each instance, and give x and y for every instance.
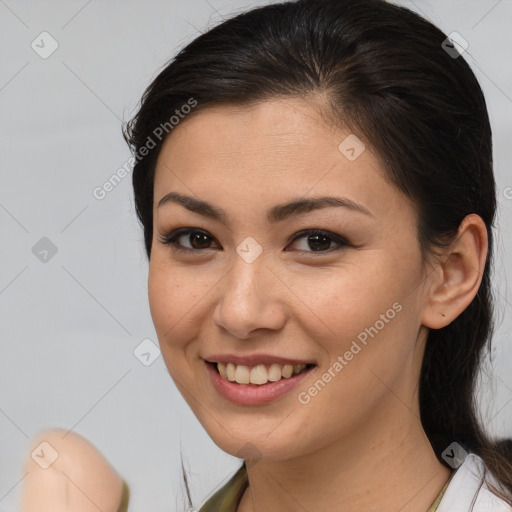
(228, 497)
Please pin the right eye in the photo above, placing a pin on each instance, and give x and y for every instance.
(197, 238)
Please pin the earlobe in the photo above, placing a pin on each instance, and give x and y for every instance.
(461, 269)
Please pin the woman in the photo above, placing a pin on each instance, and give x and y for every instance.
(317, 213)
(315, 184)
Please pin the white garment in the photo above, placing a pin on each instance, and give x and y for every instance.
(465, 492)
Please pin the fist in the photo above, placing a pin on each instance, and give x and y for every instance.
(67, 473)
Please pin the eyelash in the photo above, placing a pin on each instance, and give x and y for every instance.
(172, 237)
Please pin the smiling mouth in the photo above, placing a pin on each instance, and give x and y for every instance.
(258, 375)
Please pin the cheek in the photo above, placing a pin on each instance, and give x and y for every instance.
(367, 312)
(176, 300)
(350, 298)
(179, 301)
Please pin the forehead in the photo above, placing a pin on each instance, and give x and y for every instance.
(258, 131)
(268, 152)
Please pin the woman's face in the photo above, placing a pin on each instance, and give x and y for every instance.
(255, 287)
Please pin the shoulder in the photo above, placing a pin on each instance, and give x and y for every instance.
(469, 491)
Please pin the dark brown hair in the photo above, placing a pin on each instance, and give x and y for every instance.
(387, 75)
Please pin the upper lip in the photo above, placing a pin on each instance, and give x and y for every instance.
(254, 359)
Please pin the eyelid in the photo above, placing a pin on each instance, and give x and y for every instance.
(170, 238)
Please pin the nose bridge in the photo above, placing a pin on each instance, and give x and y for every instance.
(247, 301)
(245, 279)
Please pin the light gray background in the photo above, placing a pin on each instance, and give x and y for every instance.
(69, 326)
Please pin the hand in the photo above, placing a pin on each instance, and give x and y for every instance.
(77, 477)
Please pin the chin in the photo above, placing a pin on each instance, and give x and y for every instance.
(253, 446)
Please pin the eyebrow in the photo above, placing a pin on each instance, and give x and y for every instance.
(275, 214)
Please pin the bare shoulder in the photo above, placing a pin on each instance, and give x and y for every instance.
(64, 472)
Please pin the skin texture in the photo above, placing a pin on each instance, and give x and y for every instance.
(359, 441)
(80, 479)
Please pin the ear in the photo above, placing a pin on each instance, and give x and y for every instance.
(458, 274)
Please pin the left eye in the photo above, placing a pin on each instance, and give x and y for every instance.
(199, 240)
(319, 240)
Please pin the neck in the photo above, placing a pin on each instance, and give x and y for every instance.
(391, 468)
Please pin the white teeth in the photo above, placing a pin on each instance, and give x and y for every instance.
(287, 371)
(222, 370)
(259, 374)
(274, 372)
(230, 371)
(298, 368)
(242, 374)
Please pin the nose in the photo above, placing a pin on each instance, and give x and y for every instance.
(250, 298)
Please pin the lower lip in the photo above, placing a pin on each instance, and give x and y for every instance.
(250, 394)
